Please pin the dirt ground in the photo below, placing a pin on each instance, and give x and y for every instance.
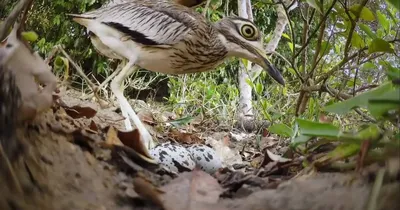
(64, 167)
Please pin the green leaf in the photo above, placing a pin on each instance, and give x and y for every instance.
(366, 14)
(368, 65)
(245, 62)
(380, 45)
(391, 15)
(281, 129)
(181, 121)
(292, 71)
(371, 132)
(215, 4)
(357, 41)
(286, 36)
(30, 36)
(314, 4)
(340, 152)
(311, 128)
(259, 88)
(301, 139)
(395, 3)
(367, 30)
(361, 100)
(383, 21)
(325, 47)
(290, 44)
(381, 105)
(250, 83)
(393, 73)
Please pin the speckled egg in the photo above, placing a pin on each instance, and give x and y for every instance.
(205, 157)
(174, 157)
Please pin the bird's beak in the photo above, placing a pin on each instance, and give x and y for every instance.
(269, 67)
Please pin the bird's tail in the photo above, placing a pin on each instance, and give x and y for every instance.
(83, 19)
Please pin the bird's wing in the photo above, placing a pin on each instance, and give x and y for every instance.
(148, 23)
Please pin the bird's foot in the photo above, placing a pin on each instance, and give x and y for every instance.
(129, 114)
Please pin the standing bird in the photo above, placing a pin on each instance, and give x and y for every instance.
(167, 37)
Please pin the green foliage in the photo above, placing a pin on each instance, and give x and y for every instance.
(395, 3)
(281, 129)
(361, 100)
(310, 128)
(380, 45)
(210, 94)
(30, 36)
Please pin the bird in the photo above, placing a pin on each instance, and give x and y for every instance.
(105, 50)
(167, 37)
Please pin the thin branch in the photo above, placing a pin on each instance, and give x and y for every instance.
(316, 29)
(286, 13)
(337, 94)
(353, 26)
(365, 88)
(337, 67)
(282, 21)
(25, 16)
(322, 55)
(206, 8)
(10, 20)
(356, 76)
(318, 49)
(305, 36)
(77, 68)
(344, 61)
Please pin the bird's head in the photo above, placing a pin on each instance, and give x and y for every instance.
(243, 39)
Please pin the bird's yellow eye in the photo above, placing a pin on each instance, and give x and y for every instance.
(248, 31)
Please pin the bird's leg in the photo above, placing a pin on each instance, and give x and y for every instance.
(126, 109)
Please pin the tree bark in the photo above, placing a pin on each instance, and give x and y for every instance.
(245, 101)
(246, 114)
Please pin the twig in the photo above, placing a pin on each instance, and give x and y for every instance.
(318, 49)
(316, 29)
(353, 26)
(24, 17)
(10, 20)
(108, 79)
(343, 62)
(365, 88)
(305, 34)
(77, 68)
(206, 8)
(356, 76)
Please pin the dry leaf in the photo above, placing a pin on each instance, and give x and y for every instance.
(277, 158)
(270, 157)
(146, 117)
(79, 112)
(193, 190)
(186, 138)
(132, 139)
(93, 126)
(112, 137)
